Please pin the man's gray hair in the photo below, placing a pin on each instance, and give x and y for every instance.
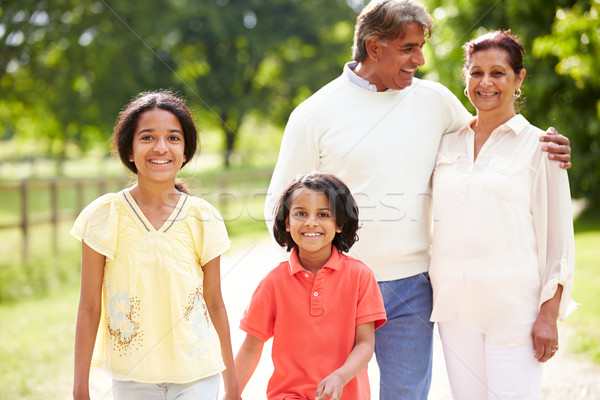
(387, 19)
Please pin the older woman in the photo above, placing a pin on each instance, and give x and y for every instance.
(503, 249)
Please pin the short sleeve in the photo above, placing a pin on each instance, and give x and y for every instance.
(97, 225)
(209, 231)
(259, 317)
(370, 307)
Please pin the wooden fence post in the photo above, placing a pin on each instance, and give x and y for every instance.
(24, 220)
(79, 195)
(54, 214)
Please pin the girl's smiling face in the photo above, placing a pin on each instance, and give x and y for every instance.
(491, 81)
(312, 225)
(158, 145)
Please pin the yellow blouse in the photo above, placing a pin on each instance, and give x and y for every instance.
(155, 325)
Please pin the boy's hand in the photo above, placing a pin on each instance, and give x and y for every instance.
(330, 388)
(559, 149)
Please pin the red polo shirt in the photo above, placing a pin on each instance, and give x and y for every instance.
(313, 323)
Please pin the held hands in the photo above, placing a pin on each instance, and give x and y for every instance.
(231, 396)
(330, 388)
(559, 149)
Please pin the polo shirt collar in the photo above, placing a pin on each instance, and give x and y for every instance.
(332, 263)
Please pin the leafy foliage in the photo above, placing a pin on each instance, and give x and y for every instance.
(562, 85)
(67, 67)
(256, 55)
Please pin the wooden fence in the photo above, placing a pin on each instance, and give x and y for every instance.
(54, 213)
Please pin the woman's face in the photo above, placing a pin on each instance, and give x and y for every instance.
(491, 81)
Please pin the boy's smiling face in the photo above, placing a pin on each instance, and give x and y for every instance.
(312, 225)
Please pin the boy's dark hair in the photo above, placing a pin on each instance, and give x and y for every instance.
(342, 205)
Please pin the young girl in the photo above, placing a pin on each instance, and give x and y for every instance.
(321, 307)
(151, 310)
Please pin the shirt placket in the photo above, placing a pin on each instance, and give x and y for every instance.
(469, 170)
(316, 296)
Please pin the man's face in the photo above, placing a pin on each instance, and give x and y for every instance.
(399, 59)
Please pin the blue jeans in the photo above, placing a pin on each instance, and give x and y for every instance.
(204, 389)
(404, 345)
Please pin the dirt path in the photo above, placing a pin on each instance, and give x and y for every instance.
(566, 377)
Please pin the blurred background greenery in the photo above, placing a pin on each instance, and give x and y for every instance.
(68, 66)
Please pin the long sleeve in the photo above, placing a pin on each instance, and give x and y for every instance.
(552, 215)
(299, 154)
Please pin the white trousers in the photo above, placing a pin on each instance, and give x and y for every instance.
(203, 389)
(479, 369)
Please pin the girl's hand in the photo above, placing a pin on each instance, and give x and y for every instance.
(81, 396)
(330, 388)
(231, 396)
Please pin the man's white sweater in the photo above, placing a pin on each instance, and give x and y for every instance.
(383, 145)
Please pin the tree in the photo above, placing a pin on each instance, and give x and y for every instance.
(562, 85)
(67, 67)
(574, 45)
(239, 56)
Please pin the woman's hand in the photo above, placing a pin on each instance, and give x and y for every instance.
(545, 337)
(545, 332)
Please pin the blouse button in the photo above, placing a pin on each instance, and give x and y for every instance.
(316, 293)
(306, 275)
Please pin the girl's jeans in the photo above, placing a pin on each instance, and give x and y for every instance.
(203, 389)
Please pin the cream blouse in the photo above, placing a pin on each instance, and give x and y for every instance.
(155, 326)
(503, 232)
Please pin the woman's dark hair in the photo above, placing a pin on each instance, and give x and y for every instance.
(503, 40)
(341, 203)
(124, 131)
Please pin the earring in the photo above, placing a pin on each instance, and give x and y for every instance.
(517, 93)
(466, 93)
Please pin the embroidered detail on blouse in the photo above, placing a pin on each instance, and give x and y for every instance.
(197, 315)
(122, 320)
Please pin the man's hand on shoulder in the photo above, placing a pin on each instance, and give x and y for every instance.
(558, 147)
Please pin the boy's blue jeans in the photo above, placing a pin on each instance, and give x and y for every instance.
(404, 345)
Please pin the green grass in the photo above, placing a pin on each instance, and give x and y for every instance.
(36, 346)
(586, 320)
